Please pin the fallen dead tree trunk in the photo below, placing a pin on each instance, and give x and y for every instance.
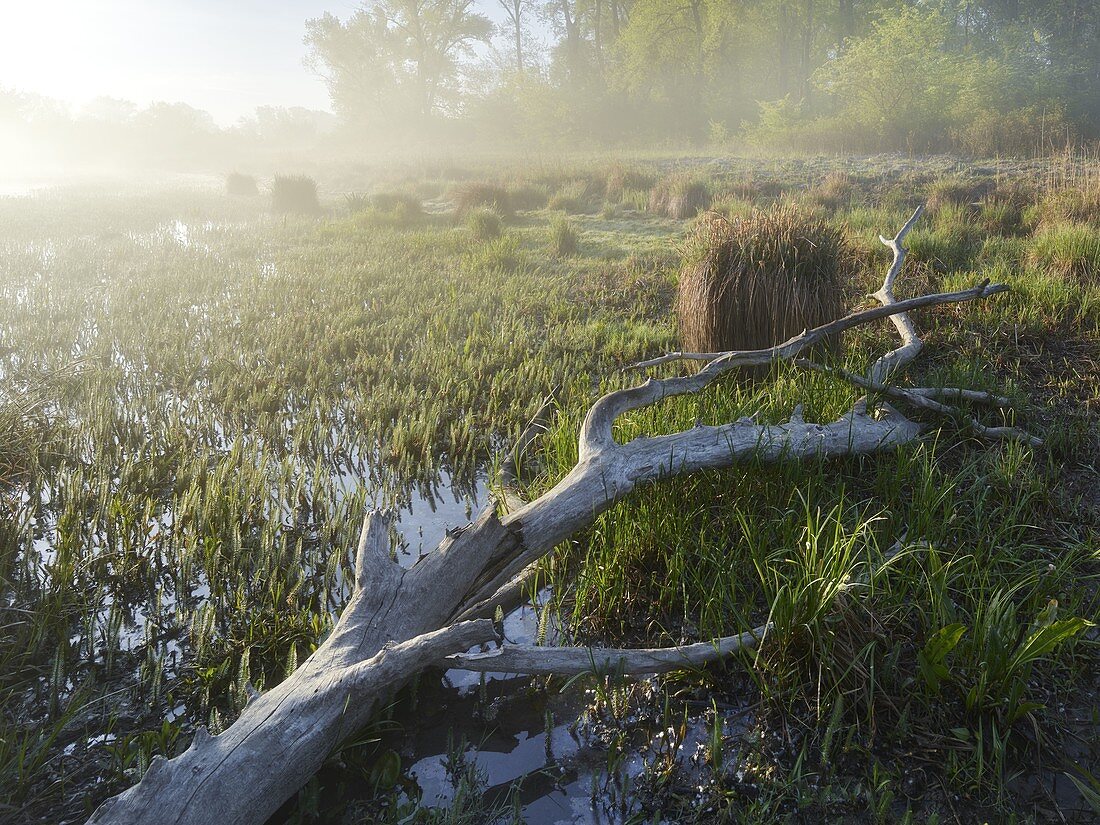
(401, 621)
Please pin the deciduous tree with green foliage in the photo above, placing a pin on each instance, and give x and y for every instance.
(394, 61)
(901, 84)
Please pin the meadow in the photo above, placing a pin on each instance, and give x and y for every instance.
(201, 394)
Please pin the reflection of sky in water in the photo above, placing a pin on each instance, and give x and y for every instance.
(425, 521)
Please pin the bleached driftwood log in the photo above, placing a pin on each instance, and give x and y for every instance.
(401, 621)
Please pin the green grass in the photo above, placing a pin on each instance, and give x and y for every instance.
(484, 223)
(203, 399)
(563, 236)
(1070, 250)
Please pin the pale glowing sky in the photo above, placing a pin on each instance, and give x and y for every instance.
(226, 57)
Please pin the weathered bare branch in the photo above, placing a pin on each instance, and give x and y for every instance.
(292, 727)
(959, 394)
(922, 398)
(911, 343)
(571, 661)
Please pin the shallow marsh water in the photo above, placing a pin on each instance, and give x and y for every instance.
(249, 385)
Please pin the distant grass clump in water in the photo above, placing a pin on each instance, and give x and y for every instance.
(754, 281)
(484, 223)
(470, 196)
(1071, 250)
(241, 185)
(679, 196)
(294, 194)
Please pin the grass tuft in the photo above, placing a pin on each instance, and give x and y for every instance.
(241, 185)
(754, 281)
(474, 194)
(1071, 250)
(679, 196)
(484, 223)
(563, 236)
(294, 194)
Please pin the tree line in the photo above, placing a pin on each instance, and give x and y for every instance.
(981, 76)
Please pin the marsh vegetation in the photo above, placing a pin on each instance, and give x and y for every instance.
(202, 393)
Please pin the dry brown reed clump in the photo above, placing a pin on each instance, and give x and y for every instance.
(475, 194)
(754, 281)
(679, 196)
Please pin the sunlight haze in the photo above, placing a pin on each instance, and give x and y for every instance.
(227, 58)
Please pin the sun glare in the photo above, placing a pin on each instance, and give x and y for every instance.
(65, 50)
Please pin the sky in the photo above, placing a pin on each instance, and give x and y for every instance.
(224, 56)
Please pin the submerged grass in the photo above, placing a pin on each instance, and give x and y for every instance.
(180, 507)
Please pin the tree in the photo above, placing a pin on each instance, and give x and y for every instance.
(396, 59)
(667, 54)
(900, 83)
(516, 10)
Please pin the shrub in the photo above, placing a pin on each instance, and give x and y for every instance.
(241, 185)
(751, 282)
(904, 57)
(484, 223)
(294, 194)
(1070, 250)
(679, 197)
(470, 196)
(563, 237)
